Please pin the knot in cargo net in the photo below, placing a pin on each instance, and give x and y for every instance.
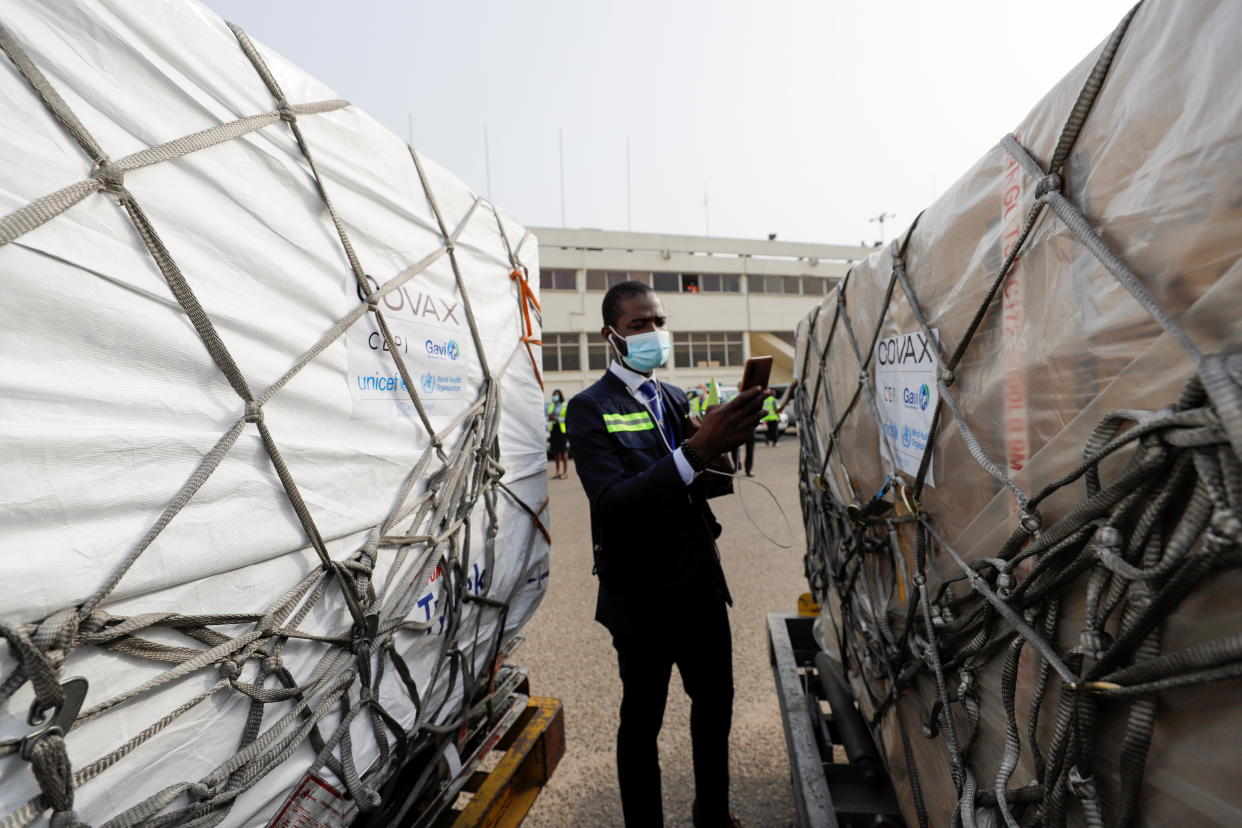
(111, 176)
(427, 536)
(1052, 624)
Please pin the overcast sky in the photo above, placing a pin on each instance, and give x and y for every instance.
(799, 118)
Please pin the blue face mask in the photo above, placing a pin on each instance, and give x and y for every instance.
(646, 352)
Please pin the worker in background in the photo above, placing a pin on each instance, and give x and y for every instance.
(662, 591)
(772, 417)
(558, 443)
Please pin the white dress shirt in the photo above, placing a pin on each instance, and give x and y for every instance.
(633, 380)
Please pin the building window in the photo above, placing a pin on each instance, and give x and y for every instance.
(695, 282)
(597, 355)
(789, 285)
(557, 279)
(601, 280)
(711, 349)
(560, 351)
(666, 282)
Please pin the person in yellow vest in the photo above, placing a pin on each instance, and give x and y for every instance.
(558, 443)
(698, 402)
(772, 418)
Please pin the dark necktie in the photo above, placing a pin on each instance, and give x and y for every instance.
(650, 391)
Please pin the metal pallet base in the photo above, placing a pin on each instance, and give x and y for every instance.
(827, 794)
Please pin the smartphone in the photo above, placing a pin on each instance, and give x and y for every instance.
(757, 372)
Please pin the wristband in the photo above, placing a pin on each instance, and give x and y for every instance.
(692, 456)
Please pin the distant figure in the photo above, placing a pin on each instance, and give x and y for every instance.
(558, 443)
(772, 418)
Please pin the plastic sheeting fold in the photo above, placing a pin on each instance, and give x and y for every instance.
(108, 398)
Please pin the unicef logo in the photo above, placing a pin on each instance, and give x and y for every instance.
(428, 381)
(905, 436)
(454, 350)
(924, 396)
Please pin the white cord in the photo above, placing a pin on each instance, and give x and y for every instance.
(755, 523)
(785, 517)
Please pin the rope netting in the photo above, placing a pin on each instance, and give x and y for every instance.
(430, 534)
(1154, 516)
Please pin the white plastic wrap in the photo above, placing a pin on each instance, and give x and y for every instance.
(1157, 169)
(109, 400)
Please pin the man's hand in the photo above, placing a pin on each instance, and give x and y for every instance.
(726, 427)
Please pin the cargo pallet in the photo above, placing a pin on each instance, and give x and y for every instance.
(819, 714)
(491, 773)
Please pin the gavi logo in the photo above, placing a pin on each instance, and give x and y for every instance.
(442, 350)
(919, 399)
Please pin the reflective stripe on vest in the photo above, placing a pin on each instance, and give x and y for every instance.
(638, 421)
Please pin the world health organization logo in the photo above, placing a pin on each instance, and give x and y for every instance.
(428, 381)
(906, 436)
(924, 396)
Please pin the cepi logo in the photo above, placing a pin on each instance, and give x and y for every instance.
(428, 381)
(443, 350)
(924, 396)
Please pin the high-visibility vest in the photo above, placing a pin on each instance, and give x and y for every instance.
(557, 409)
(769, 408)
(696, 406)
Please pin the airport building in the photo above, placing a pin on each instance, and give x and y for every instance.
(726, 299)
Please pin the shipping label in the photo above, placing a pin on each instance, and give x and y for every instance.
(315, 804)
(906, 393)
(429, 333)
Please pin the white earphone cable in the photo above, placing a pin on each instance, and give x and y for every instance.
(739, 478)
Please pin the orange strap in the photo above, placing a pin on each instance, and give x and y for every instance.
(526, 300)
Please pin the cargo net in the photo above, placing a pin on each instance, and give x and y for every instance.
(1143, 541)
(425, 533)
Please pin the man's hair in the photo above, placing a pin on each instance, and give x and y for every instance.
(618, 292)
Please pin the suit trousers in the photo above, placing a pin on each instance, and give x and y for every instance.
(699, 642)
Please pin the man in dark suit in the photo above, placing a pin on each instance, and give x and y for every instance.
(662, 592)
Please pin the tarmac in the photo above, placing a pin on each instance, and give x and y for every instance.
(570, 656)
